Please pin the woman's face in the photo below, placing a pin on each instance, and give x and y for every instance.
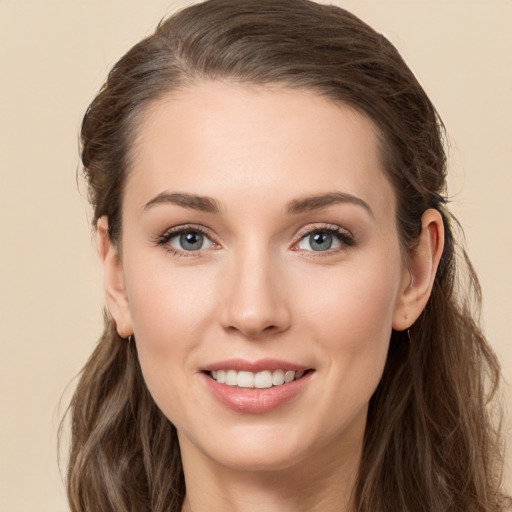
(259, 240)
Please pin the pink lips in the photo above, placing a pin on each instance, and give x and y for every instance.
(251, 400)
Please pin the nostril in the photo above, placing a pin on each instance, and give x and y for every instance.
(253, 329)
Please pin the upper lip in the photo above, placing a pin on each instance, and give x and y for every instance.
(254, 366)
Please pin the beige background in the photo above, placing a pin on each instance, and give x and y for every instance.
(53, 57)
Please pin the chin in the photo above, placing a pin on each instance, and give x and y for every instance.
(269, 447)
(262, 459)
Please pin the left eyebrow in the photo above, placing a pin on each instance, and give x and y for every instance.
(190, 201)
(317, 202)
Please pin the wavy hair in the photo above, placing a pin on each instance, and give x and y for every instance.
(430, 444)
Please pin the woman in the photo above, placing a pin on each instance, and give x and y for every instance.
(285, 329)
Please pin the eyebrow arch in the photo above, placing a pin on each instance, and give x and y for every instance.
(191, 201)
(317, 202)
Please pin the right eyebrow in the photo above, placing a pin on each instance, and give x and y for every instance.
(191, 201)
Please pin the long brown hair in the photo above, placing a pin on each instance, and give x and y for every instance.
(429, 444)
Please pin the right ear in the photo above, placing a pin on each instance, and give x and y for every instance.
(113, 280)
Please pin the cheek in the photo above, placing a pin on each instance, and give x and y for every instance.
(350, 310)
(165, 299)
(354, 298)
(171, 308)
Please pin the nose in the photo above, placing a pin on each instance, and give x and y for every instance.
(255, 302)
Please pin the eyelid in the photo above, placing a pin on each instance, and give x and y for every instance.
(345, 237)
(310, 228)
(164, 238)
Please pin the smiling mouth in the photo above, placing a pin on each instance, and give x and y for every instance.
(259, 380)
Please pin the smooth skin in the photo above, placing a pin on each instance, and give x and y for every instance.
(225, 255)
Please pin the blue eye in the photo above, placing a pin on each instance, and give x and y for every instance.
(186, 240)
(321, 240)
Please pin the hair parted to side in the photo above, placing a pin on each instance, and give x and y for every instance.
(429, 444)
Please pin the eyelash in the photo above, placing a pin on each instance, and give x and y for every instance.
(163, 240)
(344, 237)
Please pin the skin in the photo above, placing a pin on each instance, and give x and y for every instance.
(256, 289)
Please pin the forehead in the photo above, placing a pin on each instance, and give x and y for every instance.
(218, 137)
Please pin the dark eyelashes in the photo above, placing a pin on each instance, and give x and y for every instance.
(345, 238)
(342, 235)
(171, 233)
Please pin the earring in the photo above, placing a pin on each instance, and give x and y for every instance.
(131, 339)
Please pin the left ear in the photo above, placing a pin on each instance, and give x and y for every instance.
(423, 262)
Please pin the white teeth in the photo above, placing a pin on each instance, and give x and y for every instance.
(245, 380)
(278, 377)
(263, 380)
(289, 376)
(260, 380)
(231, 378)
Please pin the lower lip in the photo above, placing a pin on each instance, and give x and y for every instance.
(253, 400)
